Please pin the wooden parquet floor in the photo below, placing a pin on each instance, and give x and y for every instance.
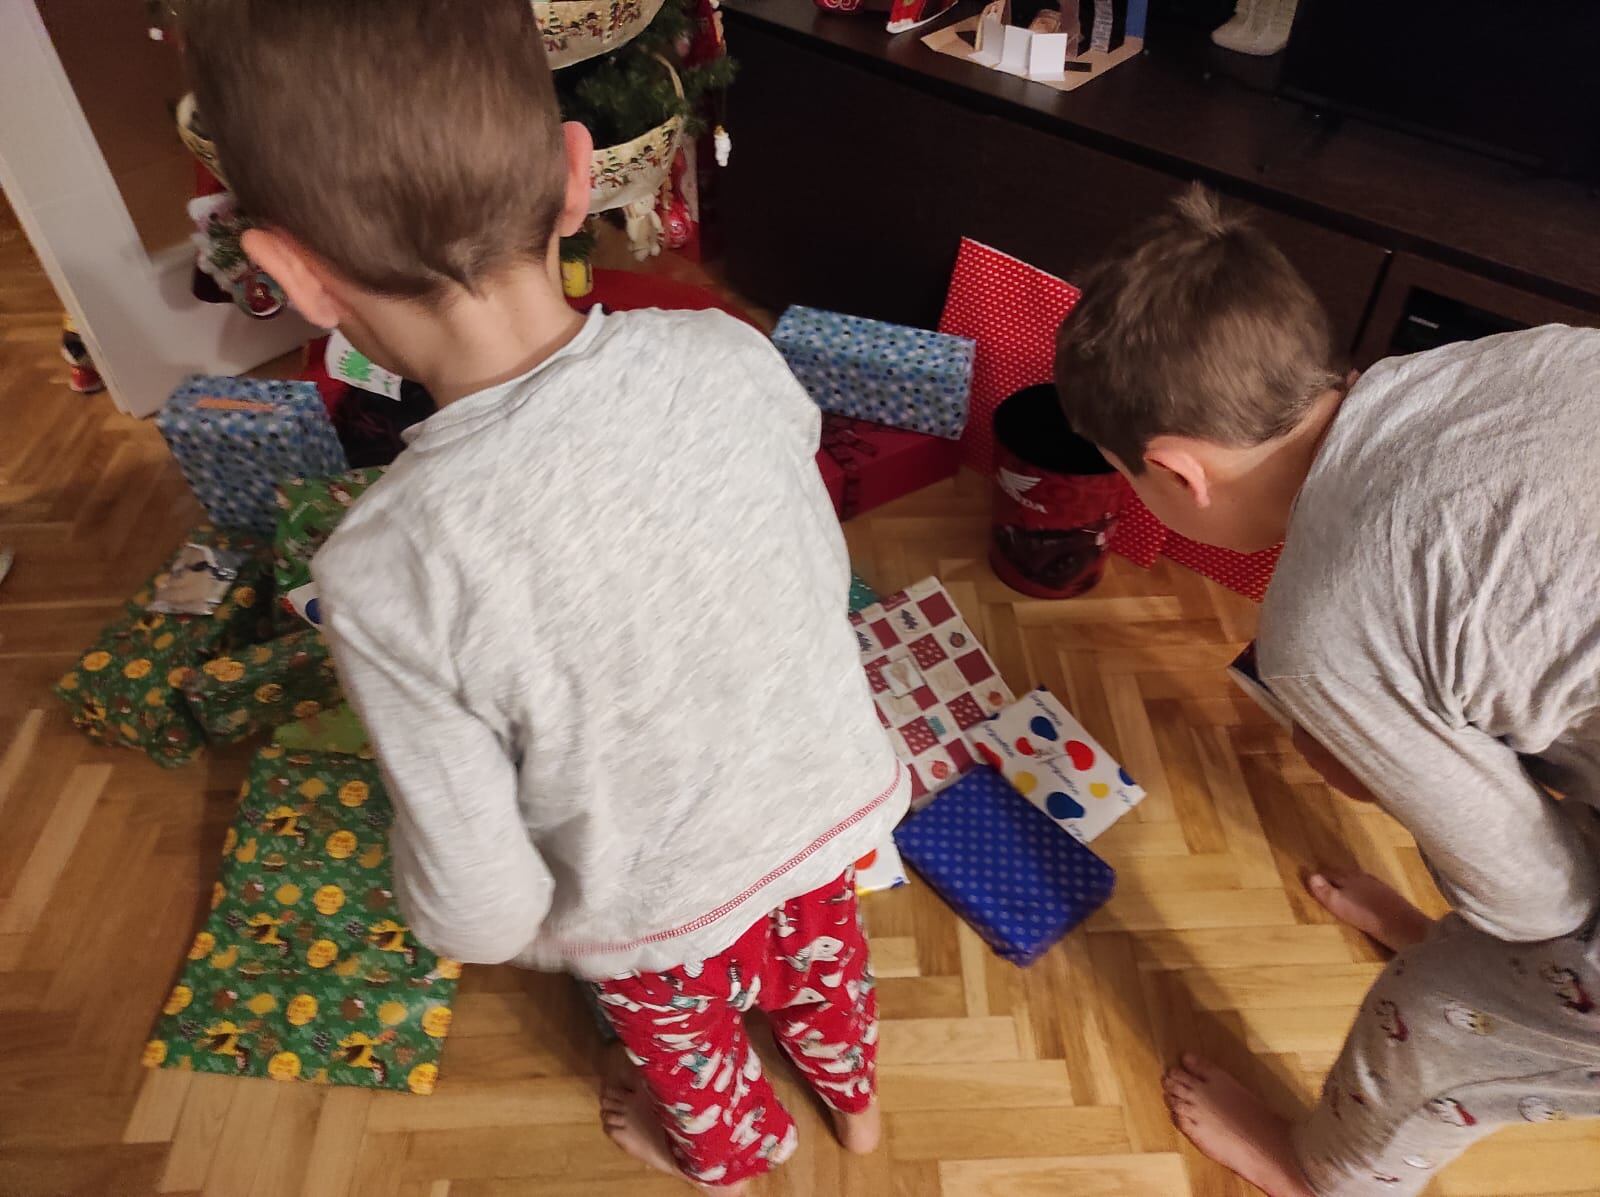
(996, 1082)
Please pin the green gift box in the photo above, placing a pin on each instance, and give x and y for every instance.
(309, 509)
(126, 688)
(254, 689)
(305, 969)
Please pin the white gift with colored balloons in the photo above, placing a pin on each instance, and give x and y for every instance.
(1057, 765)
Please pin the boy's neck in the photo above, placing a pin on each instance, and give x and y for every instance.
(473, 342)
(1285, 471)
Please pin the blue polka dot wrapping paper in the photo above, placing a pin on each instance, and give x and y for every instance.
(1057, 765)
(886, 373)
(1004, 866)
(236, 438)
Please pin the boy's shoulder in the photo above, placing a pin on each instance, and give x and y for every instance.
(708, 327)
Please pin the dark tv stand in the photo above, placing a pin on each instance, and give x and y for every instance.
(860, 160)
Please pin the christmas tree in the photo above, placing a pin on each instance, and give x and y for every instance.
(641, 75)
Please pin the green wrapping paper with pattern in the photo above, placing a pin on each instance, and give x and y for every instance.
(861, 595)
(126, 688)
(305, 969)
(309, 509)
(255, 689)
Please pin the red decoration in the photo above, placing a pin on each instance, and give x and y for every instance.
(676, 226)
(1012, 310)
(867, 465)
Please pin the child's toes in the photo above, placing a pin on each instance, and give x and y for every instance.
(1197, 1066)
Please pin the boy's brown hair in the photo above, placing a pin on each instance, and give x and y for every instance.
(1199, 328)
(410, 144)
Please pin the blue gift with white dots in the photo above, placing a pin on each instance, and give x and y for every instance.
(886, 373)
(236, 438)
(1004, 866)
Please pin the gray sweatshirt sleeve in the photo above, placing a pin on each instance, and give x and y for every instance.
(467, 877)
(1501, 850)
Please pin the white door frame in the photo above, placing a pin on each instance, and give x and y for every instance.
(135, 310)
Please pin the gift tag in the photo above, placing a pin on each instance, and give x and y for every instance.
(348, 364)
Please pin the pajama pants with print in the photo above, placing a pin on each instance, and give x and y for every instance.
(1461, 1034)
(806, 966)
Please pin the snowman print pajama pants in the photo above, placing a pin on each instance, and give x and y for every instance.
(1460, 1035)
(806, 966)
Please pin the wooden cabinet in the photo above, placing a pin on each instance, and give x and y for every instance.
(861, 160)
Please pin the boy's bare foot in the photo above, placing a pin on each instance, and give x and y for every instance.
(630, 1121)
(1229, 1125)
(1361, 901)
(859, 1133)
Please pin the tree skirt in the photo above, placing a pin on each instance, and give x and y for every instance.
(303, 969)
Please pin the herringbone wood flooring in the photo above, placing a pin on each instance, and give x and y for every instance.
(996, 1082)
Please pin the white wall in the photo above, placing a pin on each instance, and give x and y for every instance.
(138, 318)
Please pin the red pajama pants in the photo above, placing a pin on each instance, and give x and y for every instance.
(806, 966)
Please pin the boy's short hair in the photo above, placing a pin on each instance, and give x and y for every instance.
(1198, 328)
(408, 143)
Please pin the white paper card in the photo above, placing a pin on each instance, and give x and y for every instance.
(1047, 56)
(991, 34)
(348, 364)
(1014, 50)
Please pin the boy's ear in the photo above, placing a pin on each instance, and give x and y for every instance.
(579, 151)
(1180, 468)
(302, 277)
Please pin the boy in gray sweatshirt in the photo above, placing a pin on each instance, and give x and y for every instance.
(1434, 631)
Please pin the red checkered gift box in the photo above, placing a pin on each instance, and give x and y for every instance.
(1012, 310)
(932, 682)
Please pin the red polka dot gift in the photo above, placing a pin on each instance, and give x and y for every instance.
(1058, 766)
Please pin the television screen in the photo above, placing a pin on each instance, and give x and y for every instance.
(1519, 80)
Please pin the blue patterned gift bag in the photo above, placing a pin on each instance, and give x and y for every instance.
(236, 438)
(1004, 866)
(887, 373)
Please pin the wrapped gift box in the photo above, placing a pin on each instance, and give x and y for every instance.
(305, 969)
(880, 869)
(1003, 866)
(887, 373)
(931, 680)
(1011, 310)
(866, 465)
(236, 695)
(1058, 766)
(236, 438)
(309, 509)
(125, 688)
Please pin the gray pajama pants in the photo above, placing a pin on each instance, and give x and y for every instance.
(1461, 1034)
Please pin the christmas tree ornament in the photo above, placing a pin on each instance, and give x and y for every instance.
(722, 143)
(676, 225)
(218, 225)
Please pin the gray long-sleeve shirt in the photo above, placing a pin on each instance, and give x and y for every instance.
(594, 621)
(1435, 617)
